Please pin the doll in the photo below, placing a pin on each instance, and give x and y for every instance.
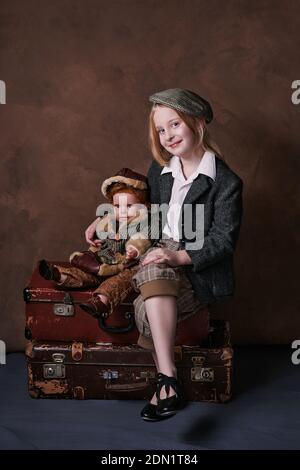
(122, 237)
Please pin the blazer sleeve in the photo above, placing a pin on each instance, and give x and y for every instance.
(222, 236)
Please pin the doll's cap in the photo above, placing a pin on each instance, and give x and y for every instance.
(185, 101)
(130, 178)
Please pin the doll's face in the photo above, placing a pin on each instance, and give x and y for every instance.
(126, 206)
(174, 135)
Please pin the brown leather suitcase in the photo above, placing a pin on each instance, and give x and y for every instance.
(95, 371)
(53, 314)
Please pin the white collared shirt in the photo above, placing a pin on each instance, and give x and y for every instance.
(207, 166)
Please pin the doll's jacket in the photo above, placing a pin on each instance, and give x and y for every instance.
(117, 237)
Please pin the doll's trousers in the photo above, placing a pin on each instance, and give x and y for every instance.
(116, 288)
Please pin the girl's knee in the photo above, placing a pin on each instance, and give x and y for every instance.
(159, 287)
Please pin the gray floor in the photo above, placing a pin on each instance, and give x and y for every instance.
(264, 414)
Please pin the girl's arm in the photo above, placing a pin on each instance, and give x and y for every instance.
(222, 237)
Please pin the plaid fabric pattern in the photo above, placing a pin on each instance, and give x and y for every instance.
(187, 302)
(153, 272)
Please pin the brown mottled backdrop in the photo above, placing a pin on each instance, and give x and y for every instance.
(78, 75)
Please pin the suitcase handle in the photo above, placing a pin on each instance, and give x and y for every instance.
(127, 387)
(117, 329)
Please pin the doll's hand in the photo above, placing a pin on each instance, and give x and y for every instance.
(131, 252)
(162, 255)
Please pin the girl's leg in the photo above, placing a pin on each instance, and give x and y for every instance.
(154, 355)
(152, 332)
(162, 317)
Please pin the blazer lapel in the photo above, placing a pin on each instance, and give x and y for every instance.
(199, 187)
(166, 181)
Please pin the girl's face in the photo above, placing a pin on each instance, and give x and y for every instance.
(174, 135)
(126, 205)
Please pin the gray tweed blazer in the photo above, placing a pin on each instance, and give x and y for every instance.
(211, 273)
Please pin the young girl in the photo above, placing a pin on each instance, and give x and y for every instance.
(178, 276)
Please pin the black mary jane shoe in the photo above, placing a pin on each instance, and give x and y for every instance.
(170, 405)
(149, 413)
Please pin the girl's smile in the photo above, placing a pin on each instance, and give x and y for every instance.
(175, 144)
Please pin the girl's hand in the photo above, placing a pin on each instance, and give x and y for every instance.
(163, 255)
(90, 233)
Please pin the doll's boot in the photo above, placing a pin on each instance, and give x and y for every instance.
(86, 261)
(49, 271)
(95, 307)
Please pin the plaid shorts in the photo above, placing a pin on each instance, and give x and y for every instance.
(187, 302)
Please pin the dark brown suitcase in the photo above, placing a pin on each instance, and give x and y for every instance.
(53, 314)
(94, 371)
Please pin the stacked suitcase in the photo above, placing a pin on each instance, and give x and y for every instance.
(72, 355)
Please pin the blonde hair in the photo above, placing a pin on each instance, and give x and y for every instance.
(201, 139)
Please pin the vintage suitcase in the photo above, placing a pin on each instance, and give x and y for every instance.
(95, 371)
(53, 314)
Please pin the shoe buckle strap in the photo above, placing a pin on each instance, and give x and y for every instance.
(167, 382)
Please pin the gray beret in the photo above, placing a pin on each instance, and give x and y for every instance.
(185, 101)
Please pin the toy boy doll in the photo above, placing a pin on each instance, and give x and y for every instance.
(122, 239)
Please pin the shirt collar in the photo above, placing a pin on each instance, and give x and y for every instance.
(207, 166)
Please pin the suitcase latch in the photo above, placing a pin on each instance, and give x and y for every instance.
(63, 310)
(202, 374)
(54, 371)
(110, 374)
(66, 309)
